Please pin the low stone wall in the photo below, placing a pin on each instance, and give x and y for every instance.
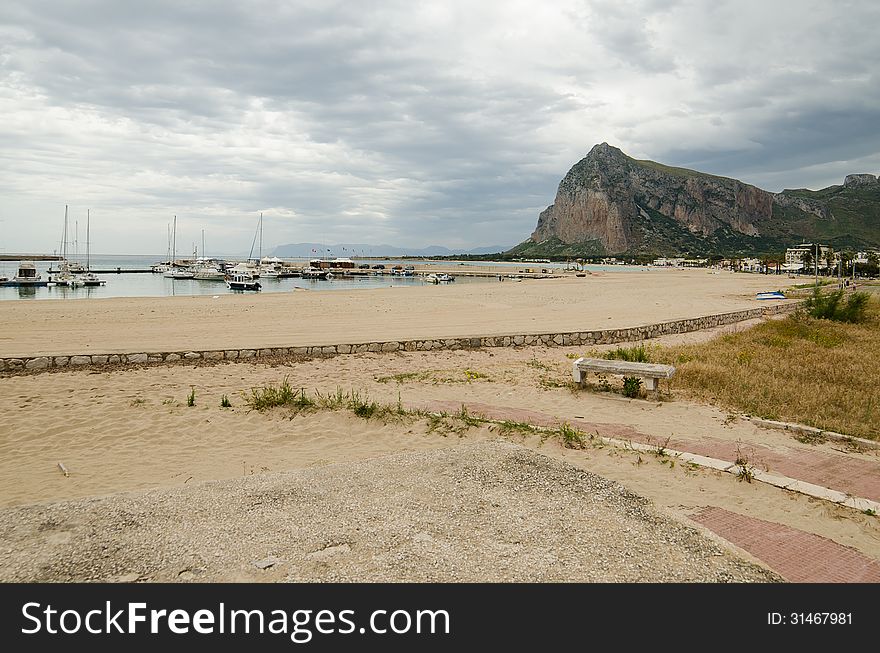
(576, 338)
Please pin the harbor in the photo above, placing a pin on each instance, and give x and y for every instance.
(142, 276)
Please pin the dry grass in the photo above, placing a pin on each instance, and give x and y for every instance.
(817, 372)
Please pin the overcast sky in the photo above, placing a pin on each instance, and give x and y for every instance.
(411, 123)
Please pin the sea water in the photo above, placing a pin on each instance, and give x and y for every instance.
(147, 284)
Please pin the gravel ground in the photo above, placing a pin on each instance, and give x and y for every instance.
(490, 512)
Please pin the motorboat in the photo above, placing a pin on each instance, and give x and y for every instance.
(179, 273)
(242, 281)
(209, 273)
(89, 280)
(310, 272)
(27, 277)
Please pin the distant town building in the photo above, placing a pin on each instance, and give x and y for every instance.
(668, 262)
(751, 265)
(794, 256)
(862, 257)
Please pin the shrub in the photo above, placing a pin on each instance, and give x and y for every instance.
(191, 399)
(224, 402)
(832, 306)
(631, 386)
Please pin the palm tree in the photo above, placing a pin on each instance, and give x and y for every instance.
(829, 261)
(807, 259)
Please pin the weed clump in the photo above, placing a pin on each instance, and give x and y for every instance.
(637, 354)
(269, 396)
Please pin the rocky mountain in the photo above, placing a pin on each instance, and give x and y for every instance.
(610, 203)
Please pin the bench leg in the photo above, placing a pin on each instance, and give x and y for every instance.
(577, 374)
(651, 384)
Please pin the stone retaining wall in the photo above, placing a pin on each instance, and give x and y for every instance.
(576, 338)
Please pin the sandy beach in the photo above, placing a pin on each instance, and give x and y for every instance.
(598, 301)
(129, 441)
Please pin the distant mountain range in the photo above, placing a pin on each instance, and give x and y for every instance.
(299, 250)
(610, 203)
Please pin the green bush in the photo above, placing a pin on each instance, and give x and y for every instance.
(832, 306)
(191, 399)
(631, 386)
(224, 402)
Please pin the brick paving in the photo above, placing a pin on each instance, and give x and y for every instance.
(798, 556)
(860, 478)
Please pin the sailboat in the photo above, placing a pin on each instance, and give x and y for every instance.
(267, 267)
(65, 276)
(89, 278)
(207, 269)
(173, 272)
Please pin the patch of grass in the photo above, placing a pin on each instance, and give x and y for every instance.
(270, 396)
(661, 448)
(191, 398)
(224, 402)
(636, 354)
(811, 371)
(138, 401)
(811, 438)
(465, 416)
(474, 375)
(538, 365)
(404, 377)
(553, 382)
(572, 438)
(361, 405)
(870, 512)
(509, 427)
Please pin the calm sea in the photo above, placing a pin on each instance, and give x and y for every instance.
(156, 285)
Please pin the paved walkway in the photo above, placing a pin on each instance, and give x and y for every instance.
(797, 555)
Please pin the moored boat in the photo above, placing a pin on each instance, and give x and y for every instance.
(311, 272)
(242, 281)
(27, 277)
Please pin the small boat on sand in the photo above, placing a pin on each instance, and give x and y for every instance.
(776, 294)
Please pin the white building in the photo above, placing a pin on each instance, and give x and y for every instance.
(794, 256)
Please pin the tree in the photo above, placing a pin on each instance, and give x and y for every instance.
(829, 261)
(873, 263)
(808, 260)
(846, 259)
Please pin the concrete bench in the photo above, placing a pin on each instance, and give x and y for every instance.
(650, 372)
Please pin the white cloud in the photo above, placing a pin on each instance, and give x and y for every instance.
(437, 123)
